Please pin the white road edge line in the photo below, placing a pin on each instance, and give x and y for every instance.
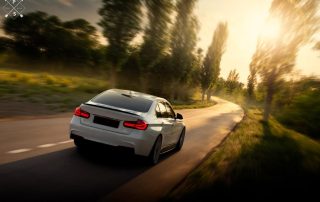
(65, 142)
(18, 151)
(47, 145)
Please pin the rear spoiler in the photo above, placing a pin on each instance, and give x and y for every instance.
(109, 108)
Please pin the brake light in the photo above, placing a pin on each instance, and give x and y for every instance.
(139, 124)
(79, 112)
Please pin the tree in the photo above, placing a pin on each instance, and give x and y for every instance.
(198, 66)
(84, 36)
(6, 44)
(252, 81)
(211, 66)
(32, 33)
(220, 86)
(183, 43)
(130, 69)
(232, 81)
(156, 37)
(206, 77)
(121, 22)
(275, 57)
(38, 34)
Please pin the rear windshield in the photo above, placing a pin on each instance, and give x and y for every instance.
(125, 101)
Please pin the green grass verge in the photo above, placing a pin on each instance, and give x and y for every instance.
(57, 92)
(194, 104)
(258, 161)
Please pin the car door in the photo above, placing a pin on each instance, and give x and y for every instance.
(175, 129)
(166, 124)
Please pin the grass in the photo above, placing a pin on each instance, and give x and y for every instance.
(193, 104)
(258, 161)
(57, 92)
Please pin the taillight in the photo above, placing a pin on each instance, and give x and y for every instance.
(79, 112)
(139, 124)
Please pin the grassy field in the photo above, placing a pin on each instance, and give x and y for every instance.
(33, 93)
(258, 161)
(51, 92)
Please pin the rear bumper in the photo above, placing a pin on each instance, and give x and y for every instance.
(141, 142)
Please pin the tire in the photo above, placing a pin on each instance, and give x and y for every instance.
(80, 143)
(155, 152)
(181, 139)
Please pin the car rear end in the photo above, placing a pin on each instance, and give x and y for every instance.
(117, 119)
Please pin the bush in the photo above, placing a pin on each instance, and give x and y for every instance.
(303, 113)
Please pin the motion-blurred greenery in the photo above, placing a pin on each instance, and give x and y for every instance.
(58, 92)
(297, 105)
(258, 161)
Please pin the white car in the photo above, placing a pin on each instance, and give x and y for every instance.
(130, 119)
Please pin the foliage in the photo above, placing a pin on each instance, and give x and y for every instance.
(195, 104)
(297, 105)
(210, 70)
(183, 43)
(130, 69)
(156, 38)
(121, 22)
(275, 58)
(252, 81)
(198, 66)
(232, 82)
(40, 38)
(6, 44)
(41, 35)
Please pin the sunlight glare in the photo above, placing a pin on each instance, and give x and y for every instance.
(271, 29)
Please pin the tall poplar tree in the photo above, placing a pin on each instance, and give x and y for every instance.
(156, 37)
(211, 65)
(183, 44)
(121, 22)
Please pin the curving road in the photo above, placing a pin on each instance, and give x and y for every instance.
(39, 163)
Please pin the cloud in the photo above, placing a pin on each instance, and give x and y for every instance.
(66, 2)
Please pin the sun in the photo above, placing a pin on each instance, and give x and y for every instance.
(264, 27)
(271, 29)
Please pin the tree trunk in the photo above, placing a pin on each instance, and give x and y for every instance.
(208, 95)
(268, 102)
(113, 78)
(144, 83)
(202, 95)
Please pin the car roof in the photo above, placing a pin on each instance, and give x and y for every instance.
(137, 94)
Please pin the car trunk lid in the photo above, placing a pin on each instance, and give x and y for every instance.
(108, 118)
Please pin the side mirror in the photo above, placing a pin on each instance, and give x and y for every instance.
(179, 116)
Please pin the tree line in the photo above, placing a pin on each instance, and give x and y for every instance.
(42, 36)
(164, 61)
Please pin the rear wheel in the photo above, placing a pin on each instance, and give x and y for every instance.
(155, 153)
(181, 139)
(80, 143)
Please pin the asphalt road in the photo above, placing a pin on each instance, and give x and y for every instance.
(39, 163)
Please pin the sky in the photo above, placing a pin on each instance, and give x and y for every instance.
(245, 19)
